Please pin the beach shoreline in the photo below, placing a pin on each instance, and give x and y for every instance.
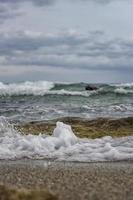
(68, 180)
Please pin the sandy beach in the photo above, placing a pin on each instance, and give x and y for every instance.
(76, 181)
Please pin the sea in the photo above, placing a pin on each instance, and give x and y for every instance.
(25, 102)
(42, 100)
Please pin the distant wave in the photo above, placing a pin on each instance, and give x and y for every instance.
(129, 85)
(123, 91)
(41, 88)
(26, 88)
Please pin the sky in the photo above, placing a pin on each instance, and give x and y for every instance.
(66, 40)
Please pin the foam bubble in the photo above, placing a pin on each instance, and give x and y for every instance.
(63, 145)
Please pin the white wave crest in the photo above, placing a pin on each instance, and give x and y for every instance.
(123, 91)
(26, 88)
(63, 145)
(38, 88)
(129, 85)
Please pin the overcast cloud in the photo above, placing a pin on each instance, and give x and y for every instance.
(67, 50)
(56, 41)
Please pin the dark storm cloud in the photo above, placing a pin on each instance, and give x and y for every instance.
(67, 50)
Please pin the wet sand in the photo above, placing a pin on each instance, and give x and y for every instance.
(76, 181)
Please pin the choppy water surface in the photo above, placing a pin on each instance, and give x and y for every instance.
(29, 101)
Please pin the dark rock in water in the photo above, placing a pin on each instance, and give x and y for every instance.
(91, 87)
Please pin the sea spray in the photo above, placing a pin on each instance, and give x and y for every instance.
(63, 145)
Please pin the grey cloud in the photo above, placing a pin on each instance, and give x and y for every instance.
(24, 41)
(66, 50)
(7, 12)
(36, 2)
(102, 2)
(49, 2)
(9, 9)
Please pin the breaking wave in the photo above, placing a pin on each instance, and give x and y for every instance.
(41, 88)
(121, 90)
(128, 85)
(63, 145)
(26, 88)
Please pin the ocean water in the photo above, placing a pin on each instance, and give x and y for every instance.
(35, 101)
(42, 100)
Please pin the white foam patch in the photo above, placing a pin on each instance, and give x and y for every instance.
(63, 145)
(28, 88)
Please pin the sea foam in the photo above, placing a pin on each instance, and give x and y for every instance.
(63, 145)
